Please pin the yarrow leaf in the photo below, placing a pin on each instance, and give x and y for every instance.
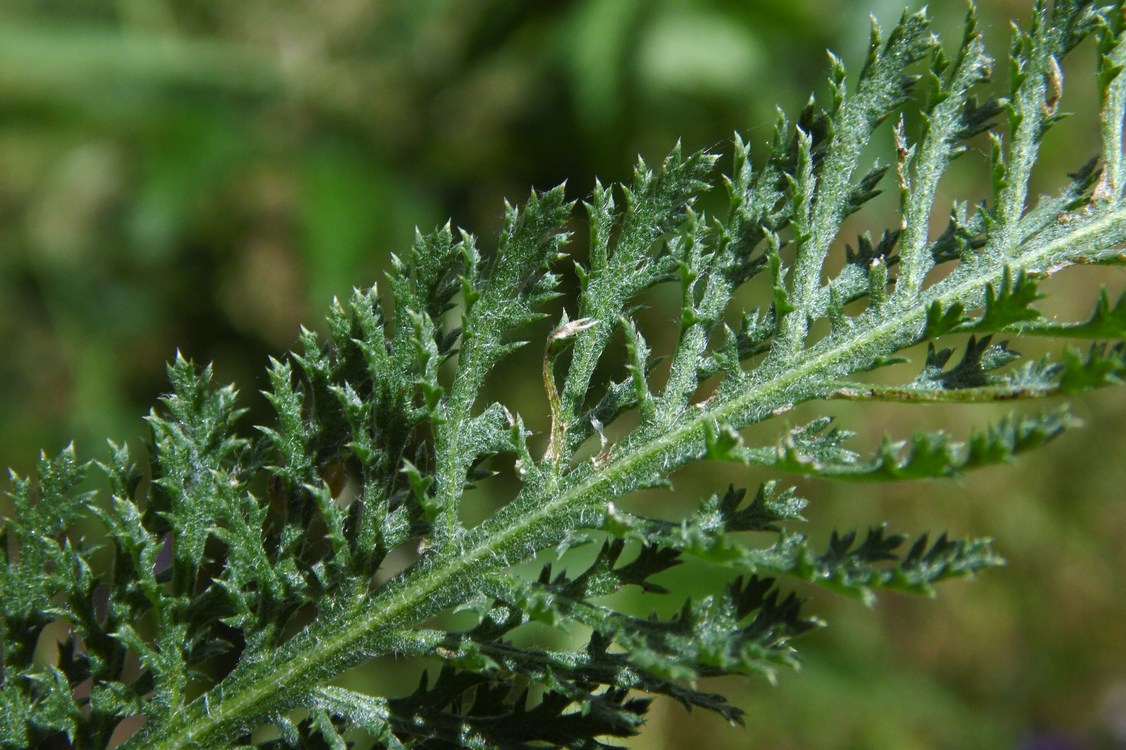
(228, 576)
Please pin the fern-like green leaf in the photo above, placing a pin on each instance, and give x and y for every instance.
(235, 573)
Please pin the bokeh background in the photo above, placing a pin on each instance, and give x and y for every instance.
(207, 175)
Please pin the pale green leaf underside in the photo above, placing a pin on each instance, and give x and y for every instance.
(273, 548)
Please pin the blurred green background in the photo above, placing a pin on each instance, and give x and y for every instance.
(207, 175)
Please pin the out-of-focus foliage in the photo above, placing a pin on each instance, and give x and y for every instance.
(209, 174)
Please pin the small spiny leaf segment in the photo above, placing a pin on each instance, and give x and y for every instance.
(227, 580)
